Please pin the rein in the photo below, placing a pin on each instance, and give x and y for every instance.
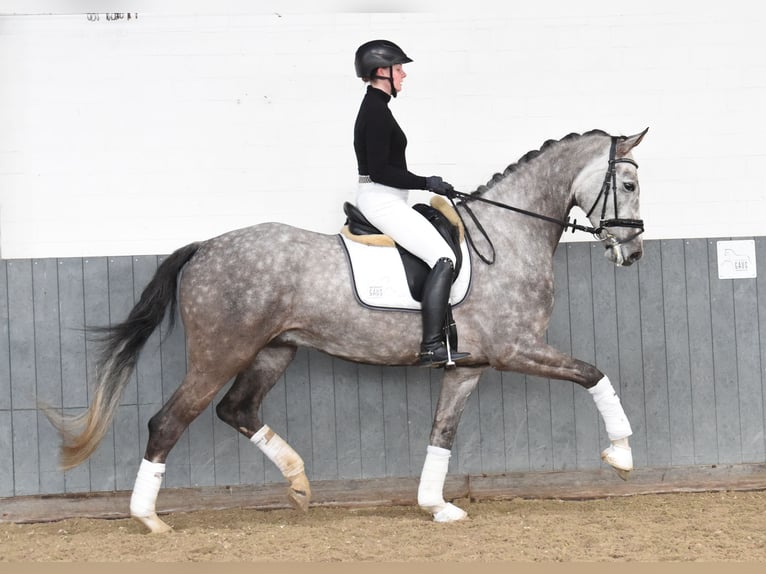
(610, 184)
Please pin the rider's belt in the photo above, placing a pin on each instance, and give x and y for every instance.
(364, 179)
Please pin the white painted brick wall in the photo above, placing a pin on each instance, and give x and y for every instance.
(137, 137)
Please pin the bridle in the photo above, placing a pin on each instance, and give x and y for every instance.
(610, 185)
(601, 232)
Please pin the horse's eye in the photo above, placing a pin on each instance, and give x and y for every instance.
(629, 186)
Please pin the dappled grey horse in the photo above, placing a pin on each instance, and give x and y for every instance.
(249, 298)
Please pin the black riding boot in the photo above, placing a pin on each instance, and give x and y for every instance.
(436, 291)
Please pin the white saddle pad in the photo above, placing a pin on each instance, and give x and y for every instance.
(381, 283)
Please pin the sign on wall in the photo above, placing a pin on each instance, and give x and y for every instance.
(736, 259)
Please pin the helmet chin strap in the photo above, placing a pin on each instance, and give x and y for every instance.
(390, 79)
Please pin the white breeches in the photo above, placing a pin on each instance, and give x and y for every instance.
(387, 209)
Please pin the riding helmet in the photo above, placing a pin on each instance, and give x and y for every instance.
(378, 54)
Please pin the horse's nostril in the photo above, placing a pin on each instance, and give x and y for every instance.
(633, 257)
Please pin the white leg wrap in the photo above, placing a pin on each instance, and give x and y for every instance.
(146, 488)
(278, 451)
(431, 487)
(608, 404)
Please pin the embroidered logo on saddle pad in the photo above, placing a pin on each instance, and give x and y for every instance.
(378, 272)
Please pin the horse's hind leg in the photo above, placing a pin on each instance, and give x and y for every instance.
(457, 386)
(165, 428)
(239, 409)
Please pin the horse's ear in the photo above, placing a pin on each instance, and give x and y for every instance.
(625, 145)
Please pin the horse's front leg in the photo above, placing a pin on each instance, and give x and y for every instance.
(539, 359)
(457, 386)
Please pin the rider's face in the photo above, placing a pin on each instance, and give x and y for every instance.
(398, 76)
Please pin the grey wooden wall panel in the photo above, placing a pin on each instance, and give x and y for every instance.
(74, 387)
(47, 349)
(538, 413)
(298, 401)
(586, 425)
(654, 355)
(26, 465)
(126, 447)
(516, 430)
(631, 360)
(324, 447)
(372, 432)
(749, 386)
(679, 391)
(760, 246)
(5, 343)
(701, 352)
(724, 363)
(563, 447)
(491, 424)
(52, 480)
(21, 320)
(604, 286)
(395, 432)
(685, 350)
(101, 462)
(7, 486)
(419, 414)
(347, 421)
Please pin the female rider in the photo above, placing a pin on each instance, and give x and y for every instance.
(384, 184)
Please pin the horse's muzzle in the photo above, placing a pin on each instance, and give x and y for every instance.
(625, 254)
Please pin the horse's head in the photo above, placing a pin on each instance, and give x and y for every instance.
(608, 189)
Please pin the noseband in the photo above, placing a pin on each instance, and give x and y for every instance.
(610, 185)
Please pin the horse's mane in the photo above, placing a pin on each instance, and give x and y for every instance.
(530, 155)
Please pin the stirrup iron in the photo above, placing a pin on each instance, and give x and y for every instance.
(450, 362)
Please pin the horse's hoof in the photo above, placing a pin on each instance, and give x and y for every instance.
(450, 513)
(623, 474)
(154, 523)
(299, 493)
(620, 458)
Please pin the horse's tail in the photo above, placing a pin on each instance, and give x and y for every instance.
(122, 344)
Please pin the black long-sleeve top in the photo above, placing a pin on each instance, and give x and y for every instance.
(380, 144)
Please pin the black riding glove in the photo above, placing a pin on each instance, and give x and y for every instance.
(437, 185)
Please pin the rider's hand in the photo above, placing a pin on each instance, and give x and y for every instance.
(437, 185)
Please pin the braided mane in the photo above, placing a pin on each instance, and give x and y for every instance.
(530, 155)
